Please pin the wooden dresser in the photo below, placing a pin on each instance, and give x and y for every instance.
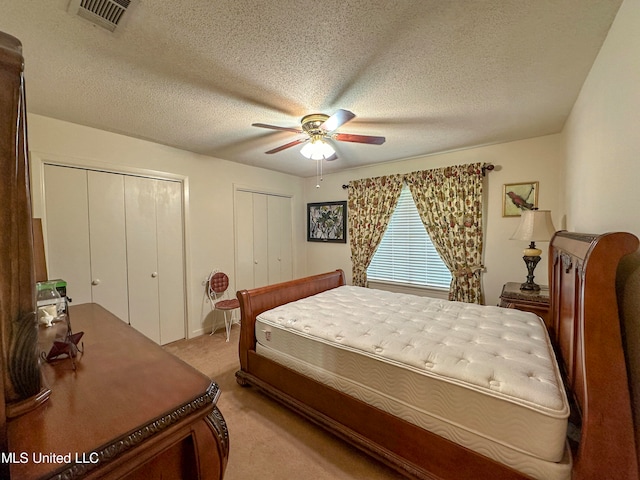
(129, 410)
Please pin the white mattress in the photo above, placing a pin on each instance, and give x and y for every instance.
(485, 377)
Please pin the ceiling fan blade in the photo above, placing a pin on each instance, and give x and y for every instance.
(349, 137)
(337, 120)
(332, 158)
(288, 145)
(274, 127)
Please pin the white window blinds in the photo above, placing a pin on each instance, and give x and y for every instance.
(406, 254)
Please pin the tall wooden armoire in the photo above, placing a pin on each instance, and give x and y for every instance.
(22, 385)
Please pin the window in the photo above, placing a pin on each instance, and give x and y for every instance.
(406, 254)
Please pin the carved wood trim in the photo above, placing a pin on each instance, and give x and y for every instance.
(581, 237)
(119, 446)
(567, 263)
(219, 425)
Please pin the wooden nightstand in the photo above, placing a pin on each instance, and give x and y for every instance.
(528, 301)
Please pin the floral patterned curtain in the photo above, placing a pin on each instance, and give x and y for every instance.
(371, 202)
(449, 201)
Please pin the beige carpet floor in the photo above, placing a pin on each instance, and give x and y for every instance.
(268, 441)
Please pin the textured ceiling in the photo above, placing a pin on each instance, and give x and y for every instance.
(429, 75)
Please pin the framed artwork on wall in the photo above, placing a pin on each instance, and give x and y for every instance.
(517, 197)
(327, 222)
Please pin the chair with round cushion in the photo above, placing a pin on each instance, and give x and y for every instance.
(217, 285)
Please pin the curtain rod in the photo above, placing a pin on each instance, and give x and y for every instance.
(487, 168)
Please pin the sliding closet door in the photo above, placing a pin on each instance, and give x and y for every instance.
(155, 251)
(170, 260)
(263, 239)
(142, 252)
(108, 242)
(118, 241)
(244, 240)
(279, 240)
(67, 223)
(260, 244)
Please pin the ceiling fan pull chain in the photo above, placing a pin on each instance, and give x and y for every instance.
(318, 173)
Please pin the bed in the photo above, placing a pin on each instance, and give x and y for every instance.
(564, 413)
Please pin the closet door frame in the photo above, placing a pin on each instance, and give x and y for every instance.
(38, 160)
(237, 187)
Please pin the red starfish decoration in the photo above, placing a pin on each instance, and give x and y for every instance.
(68, 346)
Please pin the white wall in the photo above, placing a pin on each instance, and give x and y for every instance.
(537, 159)
(210, 227)
(602, 139)
(603, 134)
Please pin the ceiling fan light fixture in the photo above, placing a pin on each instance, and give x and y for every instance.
(318, 127)
(317, 149)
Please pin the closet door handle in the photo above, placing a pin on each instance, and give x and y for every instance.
(95, 282)
(154, 274)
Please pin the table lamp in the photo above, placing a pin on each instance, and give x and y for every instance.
(535, 226)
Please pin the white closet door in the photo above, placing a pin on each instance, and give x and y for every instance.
(279, 238)
(170, 260)
(244, 240)
(142, 253)
(260, 241)
(108, 242)
(286, 240)
(263, 239)
(67, 223)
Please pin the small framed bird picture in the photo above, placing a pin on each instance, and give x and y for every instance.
(517, 197)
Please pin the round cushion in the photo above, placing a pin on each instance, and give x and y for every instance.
(227, 304)
(219, 282)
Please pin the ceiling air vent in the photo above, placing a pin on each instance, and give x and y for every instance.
(104, 13)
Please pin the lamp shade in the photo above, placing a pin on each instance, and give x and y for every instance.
(317, 150)
(535, 226)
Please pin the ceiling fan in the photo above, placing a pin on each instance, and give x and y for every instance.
(318, 127)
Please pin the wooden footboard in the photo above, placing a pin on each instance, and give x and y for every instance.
(586, 331)
(401, 445)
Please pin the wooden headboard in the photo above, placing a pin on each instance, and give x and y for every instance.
(587, 333)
